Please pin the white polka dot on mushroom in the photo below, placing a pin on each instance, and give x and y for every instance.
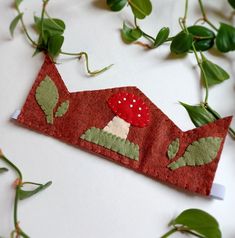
(131, 105)
(139, 115)
(140, 108)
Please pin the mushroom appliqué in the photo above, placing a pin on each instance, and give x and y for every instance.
(129, 110)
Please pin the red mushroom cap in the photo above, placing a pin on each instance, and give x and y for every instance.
(130, 108)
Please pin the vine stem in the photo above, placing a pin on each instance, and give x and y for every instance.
(205, 18)
(147, 36)
(199, 62)
(25, 28)
(17, 230)
(79, 55)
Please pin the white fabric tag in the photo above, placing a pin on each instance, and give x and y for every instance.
(15, 114)
(218, 191)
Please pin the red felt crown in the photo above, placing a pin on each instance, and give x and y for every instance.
(124, 126)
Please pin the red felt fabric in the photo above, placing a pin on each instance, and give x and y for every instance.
(90, 109)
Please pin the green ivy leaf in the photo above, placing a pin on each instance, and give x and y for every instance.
(116, 5)
(62, 109)
(130, 35)
(173, 148)
(181, 43)
(23, 194)
(213, 72)
(198, 114)
(55, 43)
(52, 26)
(47, 97)
(200, 152)
(161, 37)
(14, 23)
(232, 3)
(3, 170)
(225, 39)
(199, 221)
(140, 8)
(202, 32)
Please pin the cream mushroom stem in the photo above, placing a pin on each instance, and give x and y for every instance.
(118, 127)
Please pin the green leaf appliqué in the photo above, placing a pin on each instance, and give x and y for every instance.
(62, 109)
(199, 221)
(173, 148)
(47, 97)
(200, 152)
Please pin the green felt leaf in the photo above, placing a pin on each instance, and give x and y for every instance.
(181, 43)
(55, 43)
(23, 194)
(62, 109)
(116, 5)
(52, 26)
(161, 37)
(173, 148)
(112, 142)
(232, 3)
(130, 35)
(14, 23)
(214, 73)
(200, 152)
(47, 97)
(225, 39)
(200, 32)
(199, 221)
(198, 114)
(140, 8)
(3, 170)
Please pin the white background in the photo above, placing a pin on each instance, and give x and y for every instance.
(91, 197)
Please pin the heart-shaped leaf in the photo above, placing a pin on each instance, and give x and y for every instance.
(214, 74)
(232, 3)
(116, 5)
(3, 170)
(199, 221)
(140, 8)
(14, 23)
(18, 2)
(52, 26)
(130, 35)
(23, 194)
(202, 36)
(198, 114)
(200, 152)
(181, 43)
(225, 39)
(55, 43)
(161, 37)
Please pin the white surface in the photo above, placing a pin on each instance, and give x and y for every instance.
(91, 197)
